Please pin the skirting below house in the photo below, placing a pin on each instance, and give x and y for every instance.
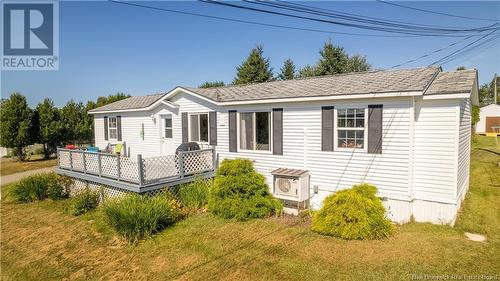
(421, 211)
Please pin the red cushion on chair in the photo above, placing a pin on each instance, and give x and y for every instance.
(70, 146)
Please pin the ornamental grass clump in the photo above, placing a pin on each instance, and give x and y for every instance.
(136, 217)
(355, 213)
(83, 202)
(40, 187)
(240, 193)
(194, 195)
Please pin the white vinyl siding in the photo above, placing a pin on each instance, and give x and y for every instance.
(435, 149)
(464, 142)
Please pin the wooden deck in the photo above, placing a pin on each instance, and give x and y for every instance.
(136, 174)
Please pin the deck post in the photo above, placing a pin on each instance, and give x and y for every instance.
(214, 159)
(118, 168)
(181, 164)
(84, 163)
(70, 160)
(58, 158)
(140, 169)
(99, 165)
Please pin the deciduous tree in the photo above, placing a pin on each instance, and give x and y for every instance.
(49, 129)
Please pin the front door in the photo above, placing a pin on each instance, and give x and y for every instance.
(167, 143)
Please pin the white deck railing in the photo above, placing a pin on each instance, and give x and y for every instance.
(140, 171)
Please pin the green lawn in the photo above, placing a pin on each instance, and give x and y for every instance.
(40, 242)
(10, 166)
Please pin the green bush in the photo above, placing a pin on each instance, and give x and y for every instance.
(136, 217)
(194, 195)
(355, 213)
(241, 193)
(83, 202)
(40, 187)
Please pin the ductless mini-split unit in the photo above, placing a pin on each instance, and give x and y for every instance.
(292, 186)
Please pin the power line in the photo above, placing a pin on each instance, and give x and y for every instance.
(434, 12)
(385, 29)
(476, 47)
(461, 49)
(263, 24)
(357, 18)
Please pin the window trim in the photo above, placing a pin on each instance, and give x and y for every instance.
(165, 117)
(254, 120)
(199, 127)
(114, 128)
(337, 128)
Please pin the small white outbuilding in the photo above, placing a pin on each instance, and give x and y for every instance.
(489, 119)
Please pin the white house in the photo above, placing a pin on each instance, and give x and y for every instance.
(405, 131)
(489, 119)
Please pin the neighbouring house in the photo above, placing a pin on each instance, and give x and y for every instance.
(489, 119)
(406, 131)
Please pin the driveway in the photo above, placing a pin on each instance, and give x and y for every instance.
(17, 176)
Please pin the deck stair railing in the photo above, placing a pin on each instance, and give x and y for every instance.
(138, 170)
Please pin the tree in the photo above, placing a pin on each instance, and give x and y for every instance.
(287, 72)
(254, 69)
(49, 129)
(307, 71)
(474, 117)
(461, 68)
(485, 95)
(110, 99)
(358, 63)
(18, 124)
(76, 124)
(334, 60)
(213, 84)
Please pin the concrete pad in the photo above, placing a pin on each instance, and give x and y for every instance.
(475, 237)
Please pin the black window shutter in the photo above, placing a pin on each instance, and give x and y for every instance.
(185, 130)
(233, 144)
(105, 127)
(375, 128)
(327, 128)
(278, 131)
(213, 127)
(119, 127)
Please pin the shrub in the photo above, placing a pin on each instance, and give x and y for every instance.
(40, 187)
(136, 217)
(194, 195)
(241, 193)
(83, 202)
(355, 213)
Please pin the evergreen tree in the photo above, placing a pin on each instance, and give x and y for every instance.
(18, 124)
(334, 60)
(287, 72)
(358, 63)
(254, 69)
(49, 129)
(307, 71)
(213, 84)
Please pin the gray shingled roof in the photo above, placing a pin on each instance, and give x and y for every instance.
(454, 82)
(381, 81)
(136, 102)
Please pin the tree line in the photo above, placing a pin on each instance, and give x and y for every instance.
(256, 67)
(47, 124)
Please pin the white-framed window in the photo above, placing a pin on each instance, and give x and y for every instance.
(112, 128)
(255, 131)
(351, 128)
(198, 127)
(167, 126)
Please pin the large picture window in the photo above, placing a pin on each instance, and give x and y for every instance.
(198, 130)
(255, 131)
(112, 128)
(351, 128)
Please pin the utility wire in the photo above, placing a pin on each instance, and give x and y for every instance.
(393, 30)
(434, 12)
(356, 18)
(476, 47)
(466, 46)
(264, 24)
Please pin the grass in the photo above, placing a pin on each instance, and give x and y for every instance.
(11, 166)
(40, 242)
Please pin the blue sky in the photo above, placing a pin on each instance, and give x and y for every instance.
(107, 47)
